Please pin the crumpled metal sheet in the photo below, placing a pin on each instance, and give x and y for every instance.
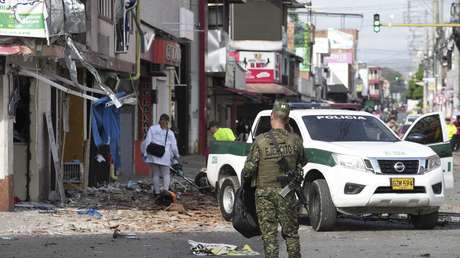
(76, 54)
(65, 16)
(74, 16)
(55, 19)
(71, 65)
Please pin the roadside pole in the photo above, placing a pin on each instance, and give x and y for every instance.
(457, 108)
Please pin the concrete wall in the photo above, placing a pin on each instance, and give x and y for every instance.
(162, 14)
(40, 102)
(258, 20)
(98, 27)
(195, 88)
(6, 149)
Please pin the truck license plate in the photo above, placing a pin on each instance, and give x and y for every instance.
(402, 184)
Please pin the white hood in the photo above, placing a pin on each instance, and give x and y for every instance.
(401, 149)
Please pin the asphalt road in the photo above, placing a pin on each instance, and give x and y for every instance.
(352, 238)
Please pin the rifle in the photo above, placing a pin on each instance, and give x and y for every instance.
(292, 178)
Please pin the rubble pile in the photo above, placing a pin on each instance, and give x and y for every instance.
(124, 208)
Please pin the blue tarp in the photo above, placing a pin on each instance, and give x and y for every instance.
(105, 127)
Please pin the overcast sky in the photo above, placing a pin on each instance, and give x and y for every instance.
(390, 46)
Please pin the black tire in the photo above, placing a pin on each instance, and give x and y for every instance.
(425, 221)
(321, 209)
(201, 180)
(226, 197)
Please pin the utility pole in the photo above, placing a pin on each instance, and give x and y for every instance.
(436, 20)
(456, 85)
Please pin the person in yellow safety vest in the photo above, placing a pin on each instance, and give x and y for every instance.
(221, 133)
(451, 132)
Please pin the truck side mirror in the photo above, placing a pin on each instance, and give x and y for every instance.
(416, 137)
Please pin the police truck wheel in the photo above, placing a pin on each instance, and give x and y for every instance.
(425, 221)
(227, 197)
(321, 209)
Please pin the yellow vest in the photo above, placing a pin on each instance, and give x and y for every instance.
(451, 131)
(224, 134)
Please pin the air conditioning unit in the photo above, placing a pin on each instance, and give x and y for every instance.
(73, 172)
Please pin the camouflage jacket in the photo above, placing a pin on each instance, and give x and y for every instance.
(261, 167)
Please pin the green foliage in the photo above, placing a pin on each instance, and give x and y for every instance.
(415, 90)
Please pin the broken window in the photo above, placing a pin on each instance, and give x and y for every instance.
(106, 9)
(123, 24)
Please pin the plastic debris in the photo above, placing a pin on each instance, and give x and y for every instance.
(92, 212)
(7, 238)
(117, 234)
(35, 205)
(212, 249)
(131, 185)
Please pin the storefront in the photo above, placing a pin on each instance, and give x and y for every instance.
(161, 90)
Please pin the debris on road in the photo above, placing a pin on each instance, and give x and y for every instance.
(117, 234)
(35, 205)
(211, 249)
(7, 238)
(103, 209)
(92, 212)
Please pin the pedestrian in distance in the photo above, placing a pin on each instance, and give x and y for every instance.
(451, 132)
(160, 134)
(393, 124)
(263, 171)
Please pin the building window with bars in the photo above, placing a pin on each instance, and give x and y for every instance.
(106, 10)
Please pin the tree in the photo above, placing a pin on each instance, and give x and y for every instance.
(416, 90)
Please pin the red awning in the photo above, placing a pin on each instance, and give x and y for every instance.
(14, 50)
(269, 88)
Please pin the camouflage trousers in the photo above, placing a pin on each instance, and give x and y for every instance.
(271, 210)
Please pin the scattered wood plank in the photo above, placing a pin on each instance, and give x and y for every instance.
(56, 159)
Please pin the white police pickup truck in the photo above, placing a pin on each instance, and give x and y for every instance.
(357, 165)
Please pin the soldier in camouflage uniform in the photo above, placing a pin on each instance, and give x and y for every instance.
(261, 170)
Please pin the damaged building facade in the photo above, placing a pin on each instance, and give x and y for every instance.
(61, 58)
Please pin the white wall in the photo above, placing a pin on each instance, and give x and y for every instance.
(339, 74)
(40, 102)
(162, 14)
(195, 89)
(99, 26)
(6, 132)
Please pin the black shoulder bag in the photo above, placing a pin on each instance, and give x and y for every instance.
(157, 150)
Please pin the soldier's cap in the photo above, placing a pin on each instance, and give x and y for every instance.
(281, 108)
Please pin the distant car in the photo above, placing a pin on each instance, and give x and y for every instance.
(411, 119)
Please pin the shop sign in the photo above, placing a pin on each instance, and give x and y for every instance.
(261, 67)
(339, 58)
(23, 18)
(166, 52)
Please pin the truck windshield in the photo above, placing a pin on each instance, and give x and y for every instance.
(347, 128)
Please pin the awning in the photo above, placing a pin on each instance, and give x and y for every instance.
(241, 92)
(269, 88)
(14, 50)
